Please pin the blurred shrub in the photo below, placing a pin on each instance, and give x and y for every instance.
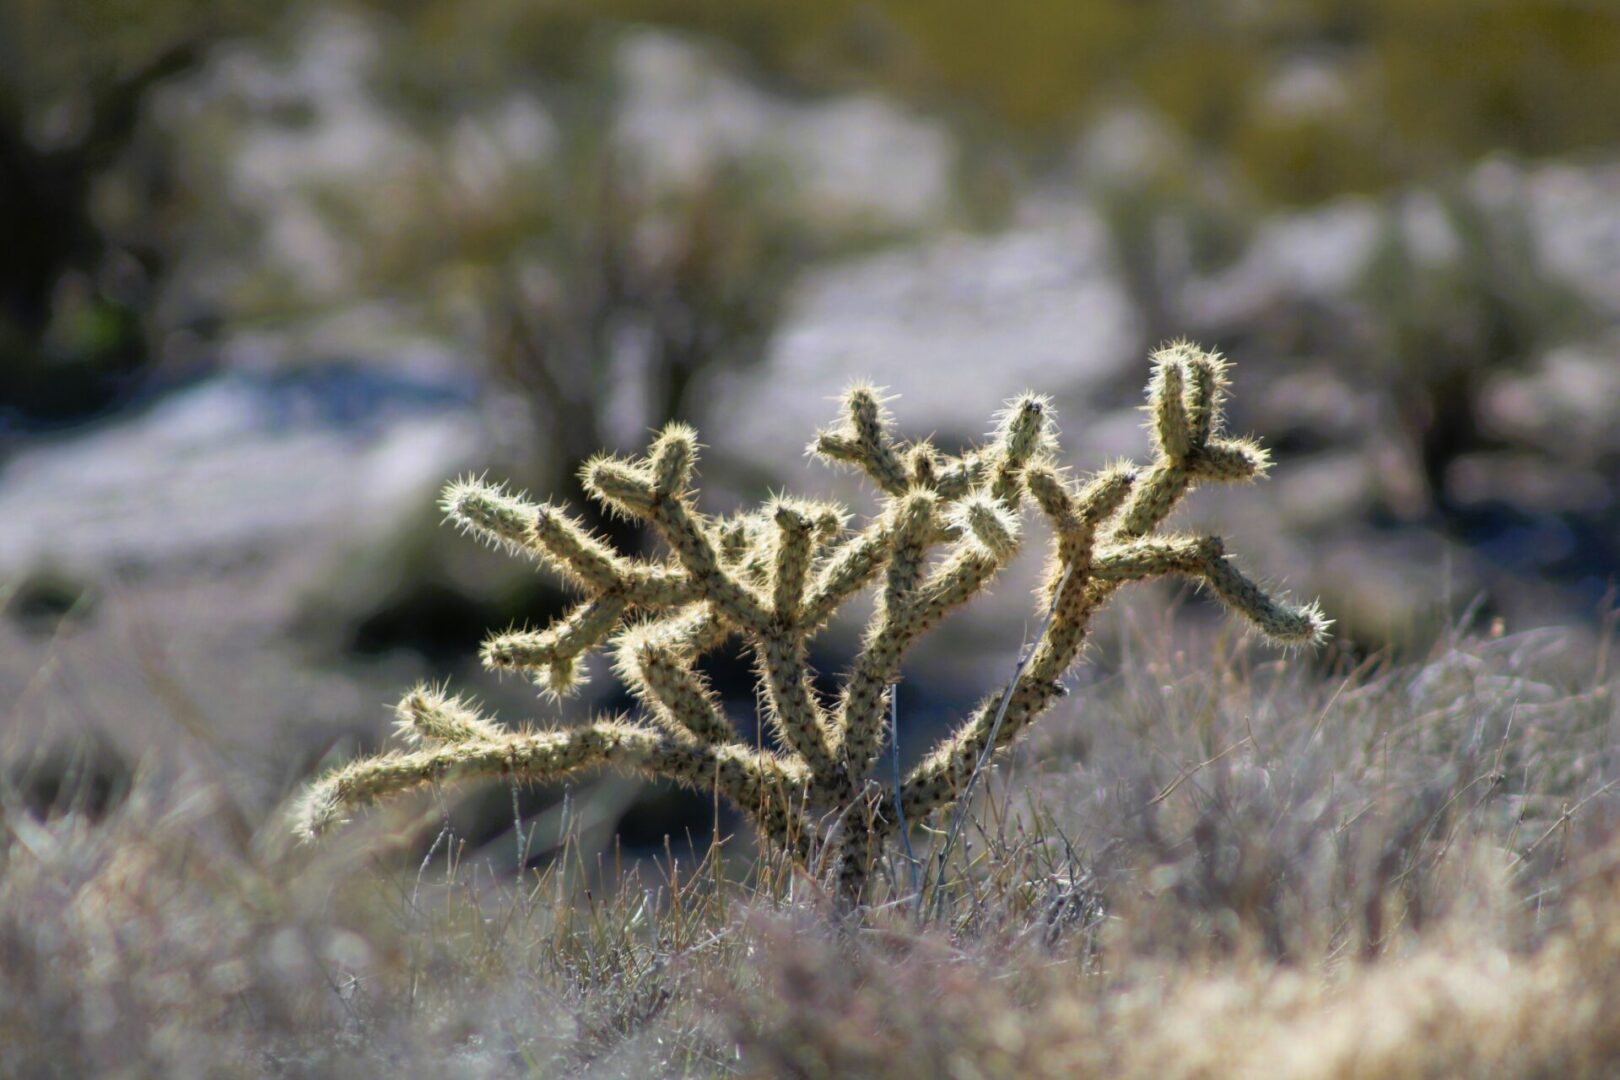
(88, 776)
(83, 188)
(48, 598)
(1451, 313)
(1169, 217)
(634, 285)
(598, 294)
(1421, 86)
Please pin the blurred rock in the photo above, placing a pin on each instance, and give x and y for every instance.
(1576, 213)
(201, 527)
(955, 326)
(1324, 490)
(1320, 254)
(1311, 408)
(234, 467)
(1317, 255)
(1565, 406)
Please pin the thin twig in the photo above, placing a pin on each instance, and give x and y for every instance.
(899, 805)
(1183, 774)
(990, 744)
(433, 848)
(1564, 818)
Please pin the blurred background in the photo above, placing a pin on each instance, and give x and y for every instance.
(271, 273)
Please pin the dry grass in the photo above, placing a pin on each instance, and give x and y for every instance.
(1217, 864)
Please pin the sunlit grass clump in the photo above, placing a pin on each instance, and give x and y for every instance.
(775, 577)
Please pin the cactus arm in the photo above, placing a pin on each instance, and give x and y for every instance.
(851, 568)
(634, 490)
(961, 476)
(427, 716)
(1144, 559)
(914, 522)
(863, 441)
(678, 697)
(1023, 431)
(910, 609)
(1184, 404)
(1286, 624)
(746, 777)
(795, 539)
(795, 715)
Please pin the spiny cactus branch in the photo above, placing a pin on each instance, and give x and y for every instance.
(775, 577)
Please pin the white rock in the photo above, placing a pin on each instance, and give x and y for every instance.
(857, 156)
(955, 326)
(221, 471)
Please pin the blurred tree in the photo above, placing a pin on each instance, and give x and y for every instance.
(74, 80)
(1445, 323)
(599, 293)
(633, 290)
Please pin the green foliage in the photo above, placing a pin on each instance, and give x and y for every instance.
(775, 576)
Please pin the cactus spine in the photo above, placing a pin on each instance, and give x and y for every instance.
(775, 577)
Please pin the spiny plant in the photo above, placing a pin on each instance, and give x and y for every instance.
(775, 576)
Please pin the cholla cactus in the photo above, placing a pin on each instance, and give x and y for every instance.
(775, 577)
